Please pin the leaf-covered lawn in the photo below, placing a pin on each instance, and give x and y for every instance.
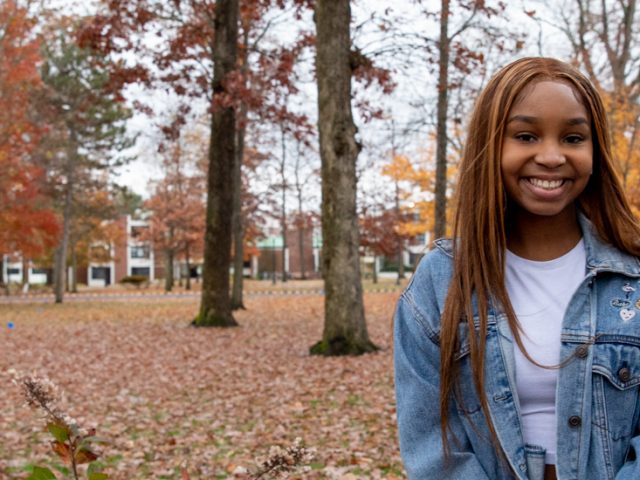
(170, 396)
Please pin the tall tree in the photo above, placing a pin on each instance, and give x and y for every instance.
(177, 208)
(284, 184)
(441, 125)
(188, 60)
(303, 220)
(28, 224)
(87, 129)
(345, 329)
(215, 307)
(454, 51)
(237, 289)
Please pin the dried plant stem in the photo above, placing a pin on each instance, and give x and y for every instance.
(74, 467)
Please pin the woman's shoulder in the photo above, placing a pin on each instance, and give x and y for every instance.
(427, 290)
(437, 262)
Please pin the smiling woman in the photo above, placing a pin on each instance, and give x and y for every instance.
(524, 349)
(547, 160)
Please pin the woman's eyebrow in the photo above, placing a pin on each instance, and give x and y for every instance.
(523, 119)
(534, 120)
(578, 121)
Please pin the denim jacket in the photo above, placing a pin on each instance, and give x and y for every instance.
(597, 400)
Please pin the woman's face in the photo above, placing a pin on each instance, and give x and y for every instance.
(547, 150)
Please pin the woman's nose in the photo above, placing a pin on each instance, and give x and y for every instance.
(550, 155)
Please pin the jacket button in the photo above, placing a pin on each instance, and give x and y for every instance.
(582, 351)
(624, 374)
(575, 421)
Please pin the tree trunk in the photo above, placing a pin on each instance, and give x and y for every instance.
(215, 307)
(345, 329)
(60, 266)
(400, 253)
(74, 270)
(375, 269)
(237, 301)
(441, 129)
(301, 222)
(283, 216)
(273, 264)
(397, 208)
(3, 285)
(187, 260)
(168, 276)
(25, 275)
(303, 271)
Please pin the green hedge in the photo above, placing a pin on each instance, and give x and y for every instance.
(137, 280)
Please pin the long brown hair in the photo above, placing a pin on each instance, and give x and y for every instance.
(479, 227)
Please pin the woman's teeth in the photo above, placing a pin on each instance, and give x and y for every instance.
(546, 184)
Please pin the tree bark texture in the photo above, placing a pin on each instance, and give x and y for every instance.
(25, 275)
(74, 269)
(237, 301)
(60, 266)
(168, 276)
(441, 129)
(187, 261)
(283, 215)
(301, 223)
(400, 252)
(345, 329)
(215, 307)
(4, 286)
(303, 273)
(237, 290)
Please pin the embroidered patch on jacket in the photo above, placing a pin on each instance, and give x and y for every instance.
(627, 314)
(620, 303)
(625, 306)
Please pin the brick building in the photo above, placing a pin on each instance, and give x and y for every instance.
(271, 252)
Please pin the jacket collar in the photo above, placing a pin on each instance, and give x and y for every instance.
(601, 256)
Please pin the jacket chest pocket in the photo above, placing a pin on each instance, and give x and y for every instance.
(616, 380)
(467, 399)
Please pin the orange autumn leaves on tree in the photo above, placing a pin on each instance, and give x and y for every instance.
(624, 116)
(93, 231)
(177, 206)
(417, 202)
(27, 224)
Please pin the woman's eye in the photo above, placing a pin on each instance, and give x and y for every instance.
(574, 138)
(525, 137)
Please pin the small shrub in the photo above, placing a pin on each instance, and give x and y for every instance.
(135, 280)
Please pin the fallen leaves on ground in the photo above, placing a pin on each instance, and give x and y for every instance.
(174, 398)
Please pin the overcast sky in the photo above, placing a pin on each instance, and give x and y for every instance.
(413, 87)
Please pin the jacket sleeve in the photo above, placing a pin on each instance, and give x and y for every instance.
(417, 363)
(631, 469)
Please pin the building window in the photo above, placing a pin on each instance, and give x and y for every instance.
(140, 251)
(39, 271)
(99, 273)
(143, 271)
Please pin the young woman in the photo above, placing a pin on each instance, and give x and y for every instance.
(517, 346)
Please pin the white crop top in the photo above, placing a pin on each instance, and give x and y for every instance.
(540, 293)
